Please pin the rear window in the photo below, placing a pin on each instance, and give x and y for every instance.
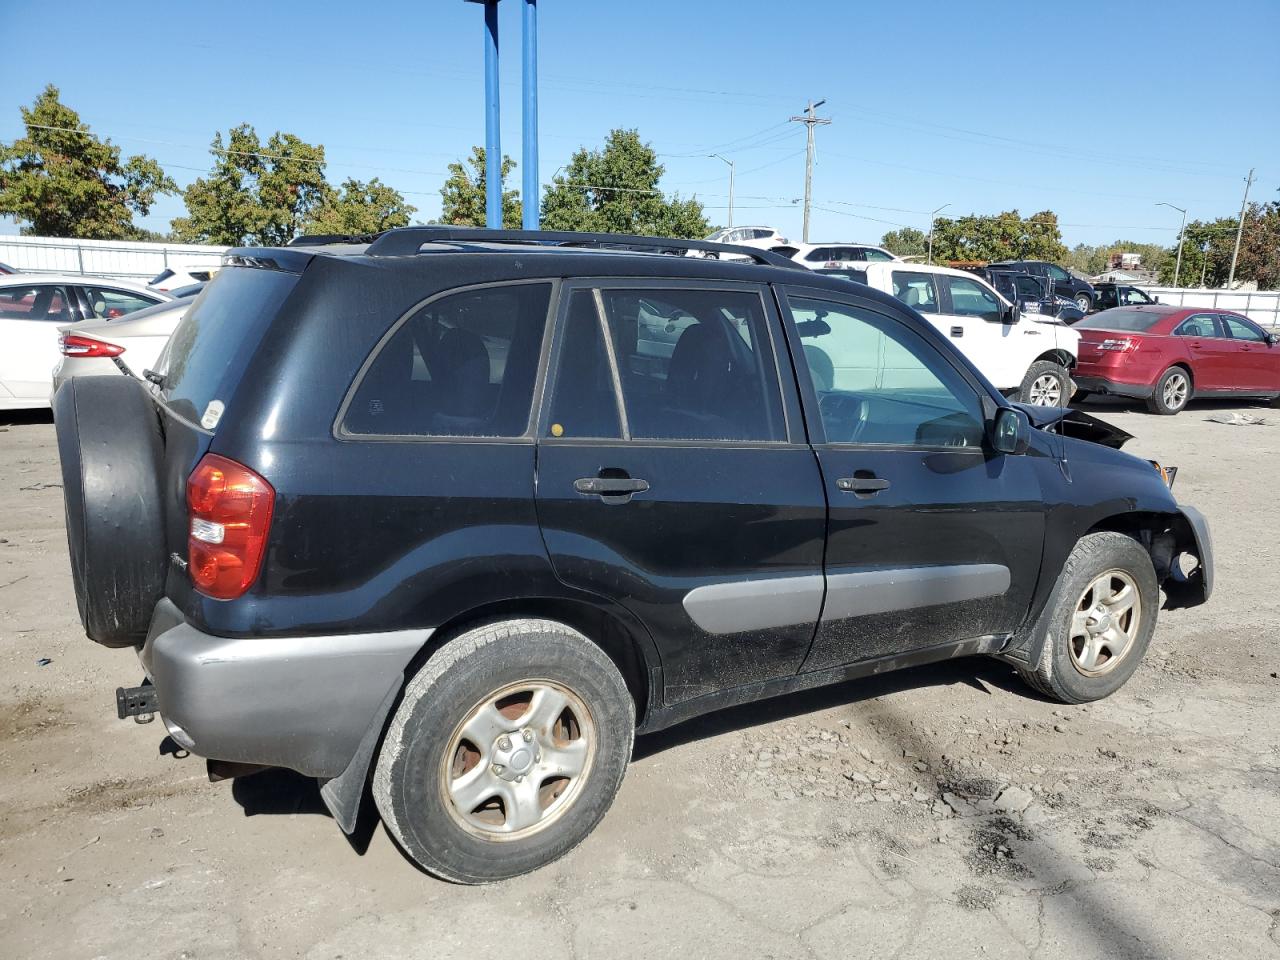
(462, 366)
(213, 344)
(1121, 319)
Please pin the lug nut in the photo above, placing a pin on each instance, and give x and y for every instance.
(537, 758)
(527, 734)
(497, 768)
(520, 779)
(504, 743)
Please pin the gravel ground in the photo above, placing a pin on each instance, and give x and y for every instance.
(937, 812)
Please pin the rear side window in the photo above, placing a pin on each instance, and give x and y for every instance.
(462, 366)
(43, 302)
(916, 290)
(694, 364)
(211, 348)
(876, 255)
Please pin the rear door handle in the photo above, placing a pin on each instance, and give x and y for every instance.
(867, 485)
(610, 487)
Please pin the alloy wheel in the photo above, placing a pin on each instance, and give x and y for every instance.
(1175, 391)
(1105, 623)
(518, 760)
(1046, 391)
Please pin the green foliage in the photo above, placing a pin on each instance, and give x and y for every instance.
(907, 242)
(463, 194)
(1005, 236)
(1260, 246)
(254, 194)
(1205, 251)
(65, 182)
(1090, 260)
(615, 190)
(359, 208)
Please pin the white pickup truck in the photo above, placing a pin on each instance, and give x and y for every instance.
(1022, 354)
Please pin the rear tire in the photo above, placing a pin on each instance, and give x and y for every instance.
(1092, 645)
(1046, 384)
(110, 446)
(1084, 303)
(1172, 392)
(483, 775)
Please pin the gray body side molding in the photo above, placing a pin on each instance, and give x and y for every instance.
(867, 592)
(741, 606)
(305, 703)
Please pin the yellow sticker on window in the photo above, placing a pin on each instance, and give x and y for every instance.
(557, 430)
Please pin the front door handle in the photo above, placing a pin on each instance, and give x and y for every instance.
(611, 489)
(957, 331)
(862, 485)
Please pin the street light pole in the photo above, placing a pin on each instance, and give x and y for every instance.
(1182, 231)
(932, 217)
(730, 163)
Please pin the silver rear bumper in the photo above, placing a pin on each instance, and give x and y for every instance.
(304, 703)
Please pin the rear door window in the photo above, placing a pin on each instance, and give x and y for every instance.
(694, 364)
(916, 290)
(464, 365)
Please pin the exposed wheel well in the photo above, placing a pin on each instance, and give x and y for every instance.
(610, 633)
(1155, 531)
(1060, 357)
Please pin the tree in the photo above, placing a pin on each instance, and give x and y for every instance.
(1093, 260)
(907, 242)
(1005, 236)
(463, 194)
(254, 194)
(62, 181)
(1206, 252)
(615, 190)
(1260, 246)
(359, 208)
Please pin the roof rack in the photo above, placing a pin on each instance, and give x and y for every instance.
(406, 241)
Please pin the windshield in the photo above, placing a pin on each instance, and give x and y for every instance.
(1121, 319)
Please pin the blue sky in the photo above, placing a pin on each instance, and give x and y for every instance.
(1096, 110)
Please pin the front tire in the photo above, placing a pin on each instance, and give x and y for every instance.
(1046, 384)
(1172, 392)
(506, 751)
(1084, 303)
(1099, 620)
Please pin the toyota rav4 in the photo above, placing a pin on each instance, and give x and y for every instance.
(446, 517)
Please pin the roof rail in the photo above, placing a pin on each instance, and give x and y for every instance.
(320, 239)
(405, 241)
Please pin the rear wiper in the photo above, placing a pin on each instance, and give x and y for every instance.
(156, 378)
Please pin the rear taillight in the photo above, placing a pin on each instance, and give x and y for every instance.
(230, 510)
(75, 345)
(1120, 344)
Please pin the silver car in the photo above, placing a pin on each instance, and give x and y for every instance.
(127, 346)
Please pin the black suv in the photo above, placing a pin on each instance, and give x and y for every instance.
(1062, 283)
(448, 516)
(1121, 295)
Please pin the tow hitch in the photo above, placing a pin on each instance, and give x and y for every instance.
(140, 703)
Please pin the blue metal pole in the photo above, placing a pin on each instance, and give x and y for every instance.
(492, 128)
(532, 190)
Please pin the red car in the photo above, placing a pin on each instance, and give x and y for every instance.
(1166, 355)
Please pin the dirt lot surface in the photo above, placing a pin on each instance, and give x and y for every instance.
(938, 812)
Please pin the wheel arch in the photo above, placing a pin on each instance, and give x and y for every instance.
(622, 638)
(1062, 358)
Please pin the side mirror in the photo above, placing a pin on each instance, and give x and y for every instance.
(1010, 431)
(1010, 315)
(1273, 339)
(1070, 314)
(1155, 299)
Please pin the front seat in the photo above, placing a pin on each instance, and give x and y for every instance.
(912, 297)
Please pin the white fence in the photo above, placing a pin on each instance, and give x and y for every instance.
(114, 259)
(1260, 306)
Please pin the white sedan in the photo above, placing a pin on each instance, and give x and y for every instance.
(33, 307)
(112, 347)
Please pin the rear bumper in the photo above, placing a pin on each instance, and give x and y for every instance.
(1095, 384)
(304, 703)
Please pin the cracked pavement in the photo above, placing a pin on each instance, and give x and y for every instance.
(938, 812)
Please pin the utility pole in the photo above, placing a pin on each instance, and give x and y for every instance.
(932, 217)
(730, 163)
(810, 120)
(1231, 277)
(1177, 268)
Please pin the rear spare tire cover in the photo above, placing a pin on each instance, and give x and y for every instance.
(110, 446)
